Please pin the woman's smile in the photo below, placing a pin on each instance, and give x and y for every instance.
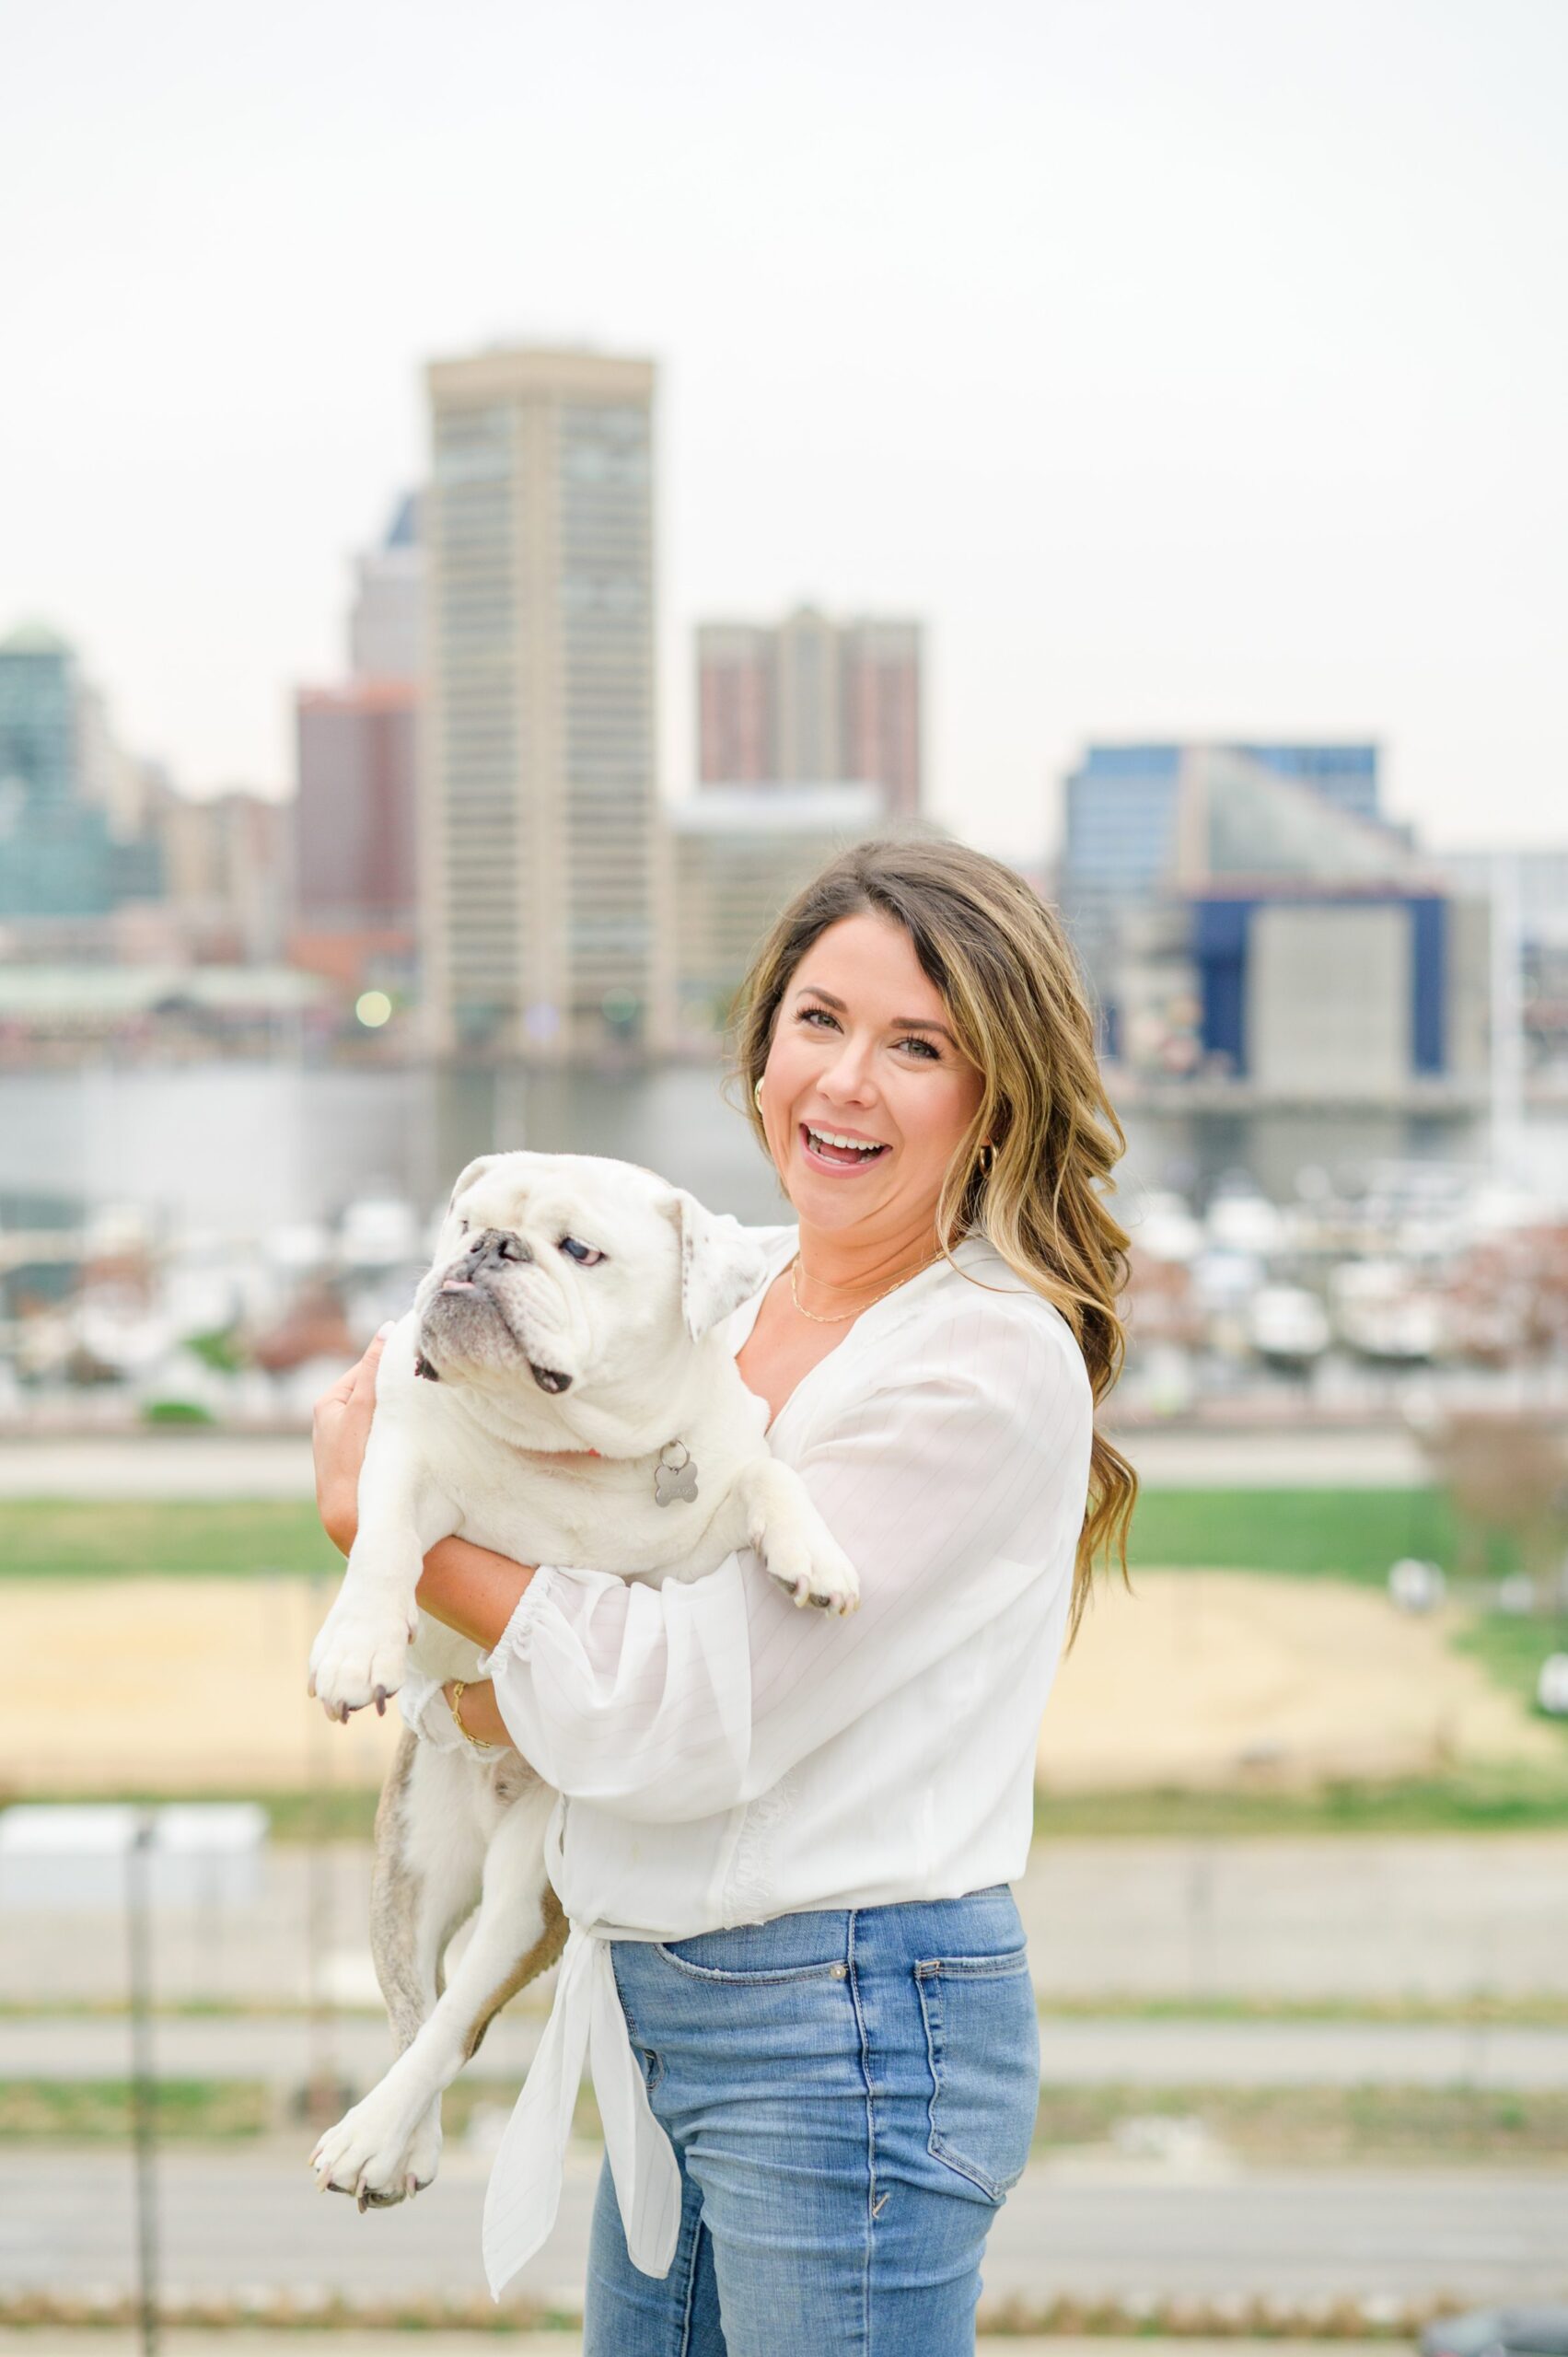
(840, 1151)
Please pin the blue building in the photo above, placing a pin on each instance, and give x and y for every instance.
(58, 856)
(1245, 914)
(1121, 841)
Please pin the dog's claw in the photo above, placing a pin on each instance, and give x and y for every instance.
(380, 1699)
(363, 2197)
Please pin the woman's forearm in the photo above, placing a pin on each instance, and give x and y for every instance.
(471, 1590)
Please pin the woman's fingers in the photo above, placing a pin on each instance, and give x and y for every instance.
(363, 1377)
(357, 1382)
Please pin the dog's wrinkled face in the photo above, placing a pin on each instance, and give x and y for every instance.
(564, 1272)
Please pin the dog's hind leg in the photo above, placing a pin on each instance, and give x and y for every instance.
(428, 1872)
(389, 2144)
(425, 1881)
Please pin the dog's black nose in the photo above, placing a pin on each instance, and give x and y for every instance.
(496, 1247)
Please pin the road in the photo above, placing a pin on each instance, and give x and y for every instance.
(236, 2340)
(229, 1465)
(1074, 2052)
(1075, 2227)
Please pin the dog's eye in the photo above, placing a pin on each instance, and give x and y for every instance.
(584, 1254)
(463, 1227)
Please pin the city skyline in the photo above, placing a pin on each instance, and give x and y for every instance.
(1184, 371)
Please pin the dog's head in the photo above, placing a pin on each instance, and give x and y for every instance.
(568, 1273)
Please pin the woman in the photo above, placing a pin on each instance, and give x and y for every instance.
(784, 1842)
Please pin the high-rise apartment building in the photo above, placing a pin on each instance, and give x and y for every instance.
(808, 700)
(540, 851)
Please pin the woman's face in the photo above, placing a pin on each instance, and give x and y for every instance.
(863, 1049)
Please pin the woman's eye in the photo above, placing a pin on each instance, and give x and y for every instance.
(584, 1254)
(913, 1040)
(809, 1013)
(928, 1055)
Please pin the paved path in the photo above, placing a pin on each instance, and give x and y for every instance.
(227, 1465)
(1359, 1917)
(253, 2224)
(99, 2341)
(1074, 2052)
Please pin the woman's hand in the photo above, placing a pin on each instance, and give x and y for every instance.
(338, 1431)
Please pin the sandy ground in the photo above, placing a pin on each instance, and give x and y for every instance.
(1210, 1679)
(173, 1686)
(1203, 1678)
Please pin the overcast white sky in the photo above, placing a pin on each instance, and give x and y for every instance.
(1189, 365)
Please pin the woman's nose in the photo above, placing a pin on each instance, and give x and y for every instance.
(849, 1074)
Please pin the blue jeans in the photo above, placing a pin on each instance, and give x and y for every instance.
(850, 2094)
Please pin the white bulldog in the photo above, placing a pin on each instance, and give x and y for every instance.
(560, 1392)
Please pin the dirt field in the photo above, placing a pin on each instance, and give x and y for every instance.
(172, 1686)
(1205, 1678)
(1210, 1679)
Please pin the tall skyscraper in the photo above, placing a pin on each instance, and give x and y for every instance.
(808, 700)
(541, 854)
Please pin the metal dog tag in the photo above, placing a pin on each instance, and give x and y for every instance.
(674, 1475)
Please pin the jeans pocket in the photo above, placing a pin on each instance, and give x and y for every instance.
(982, 2047)
(758, 1956)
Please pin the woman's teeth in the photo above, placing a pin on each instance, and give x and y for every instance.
(834, 1148)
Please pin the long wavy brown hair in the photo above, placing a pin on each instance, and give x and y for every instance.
(999, 958)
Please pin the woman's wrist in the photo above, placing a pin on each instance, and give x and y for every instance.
(475, 1711)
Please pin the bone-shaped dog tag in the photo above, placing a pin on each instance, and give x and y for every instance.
(674, 1475)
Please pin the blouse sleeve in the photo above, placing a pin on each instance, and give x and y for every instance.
(952, 1487)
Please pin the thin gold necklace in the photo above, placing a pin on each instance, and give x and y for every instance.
(844, 1315)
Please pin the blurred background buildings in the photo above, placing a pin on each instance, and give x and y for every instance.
(477, 920)
(812, 701)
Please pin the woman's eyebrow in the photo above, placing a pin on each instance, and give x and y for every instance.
(896, 1023)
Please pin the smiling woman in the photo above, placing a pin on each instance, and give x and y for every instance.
(783, 1844)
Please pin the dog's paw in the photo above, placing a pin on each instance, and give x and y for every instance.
(813, 1570)
(372, 2155)
(358, 1658)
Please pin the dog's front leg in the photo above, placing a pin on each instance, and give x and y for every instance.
(794, 1542)
(387, 2145)
(360, 1649)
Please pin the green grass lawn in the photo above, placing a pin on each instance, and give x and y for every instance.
(1348, 1534)
(54, 1537)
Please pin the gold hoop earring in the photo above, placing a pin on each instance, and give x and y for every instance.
(757, 1094)
(987, 1157)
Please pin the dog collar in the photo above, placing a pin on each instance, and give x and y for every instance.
(674, 1475)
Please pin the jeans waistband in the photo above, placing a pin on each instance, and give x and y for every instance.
(982, 1923)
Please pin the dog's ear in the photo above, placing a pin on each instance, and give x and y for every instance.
(721, 1266)
(476, 1169)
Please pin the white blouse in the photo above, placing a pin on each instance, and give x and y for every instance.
(723, 1756)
